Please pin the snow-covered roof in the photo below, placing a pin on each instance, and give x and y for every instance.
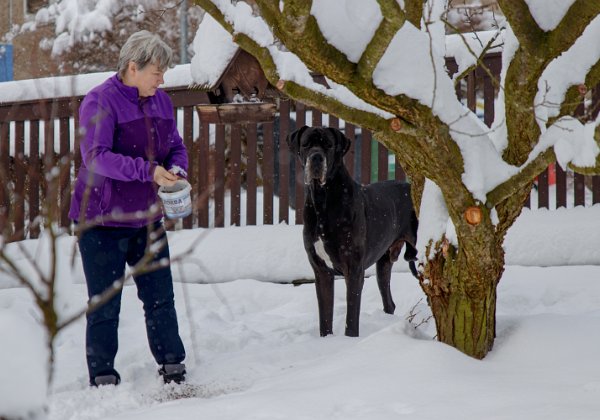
(214, 50)
(77, 85)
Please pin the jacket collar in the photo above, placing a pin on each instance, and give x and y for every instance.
(130, 92)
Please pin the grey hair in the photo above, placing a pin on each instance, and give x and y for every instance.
(145, 48)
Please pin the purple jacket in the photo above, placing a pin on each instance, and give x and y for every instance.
(124, 138)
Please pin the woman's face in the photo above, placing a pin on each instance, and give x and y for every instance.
(147, 80)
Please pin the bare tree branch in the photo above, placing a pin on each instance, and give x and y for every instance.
(13, 269)
(520, 179)
(479, 57)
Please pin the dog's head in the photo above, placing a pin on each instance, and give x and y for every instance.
(320, 150)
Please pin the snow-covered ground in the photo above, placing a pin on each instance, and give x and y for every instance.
(254, 351)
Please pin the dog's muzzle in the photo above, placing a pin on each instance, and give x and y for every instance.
(315, 168)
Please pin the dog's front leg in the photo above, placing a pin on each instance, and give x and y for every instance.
(355, 279)
(323, 280)
(324, 286)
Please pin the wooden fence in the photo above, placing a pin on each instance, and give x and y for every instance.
(241, 173)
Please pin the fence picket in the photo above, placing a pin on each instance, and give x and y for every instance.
(35, 164)
(543, 196)
(299, 174)
(64, 169)
(561, 187)
(188, 140)
(284, 161)
(219, 176)
(203, 181)
(382, 162)
(350, 155)
(579, 190)
(365, 157)
(236, 173)
(19, 190)
(251, 168)
(5, 173)
(253, 158)
(595, 190)
(268, 171)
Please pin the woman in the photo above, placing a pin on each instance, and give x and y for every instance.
(129, 147)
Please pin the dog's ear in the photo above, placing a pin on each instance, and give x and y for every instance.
(342, 143)
(293, 139)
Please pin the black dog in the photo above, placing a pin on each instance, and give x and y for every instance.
(349, 227)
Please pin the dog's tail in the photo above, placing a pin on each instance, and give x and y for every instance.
(413, 269)
(410, 254)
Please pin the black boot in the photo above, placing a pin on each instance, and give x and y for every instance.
(173, 372)
(110, 378)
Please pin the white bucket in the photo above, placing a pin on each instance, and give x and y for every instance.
(176, 199)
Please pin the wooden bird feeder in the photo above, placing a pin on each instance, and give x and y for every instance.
(237, 96)
(236, 113)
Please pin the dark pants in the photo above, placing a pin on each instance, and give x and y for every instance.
(104, 253)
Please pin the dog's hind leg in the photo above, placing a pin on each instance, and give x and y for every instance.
(384, 274)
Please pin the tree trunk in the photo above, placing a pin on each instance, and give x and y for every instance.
(461, 291)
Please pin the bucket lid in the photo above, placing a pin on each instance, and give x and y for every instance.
(181, 186)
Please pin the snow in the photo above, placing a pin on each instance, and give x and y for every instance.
(573, 142)
(23, 383)
(548, 13)
(254, 351)
(499, 131)
(434, 221)
(561, 74)
(213, 51)
(416, 68)
(334, 17)
(240, 16)
(475, 42)
(399, 56)
(432, 23)
(252, 338)
(77, 85)
(77, 21)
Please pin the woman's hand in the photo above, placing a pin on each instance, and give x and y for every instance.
(163, 177)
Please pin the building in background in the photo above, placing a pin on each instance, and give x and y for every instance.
(29, 61)
(39, 50)
(6, 62)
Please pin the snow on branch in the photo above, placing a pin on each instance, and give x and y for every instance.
(334, 19)
(78, 21)
(548, 13)
(240, 16)
(568, 69)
